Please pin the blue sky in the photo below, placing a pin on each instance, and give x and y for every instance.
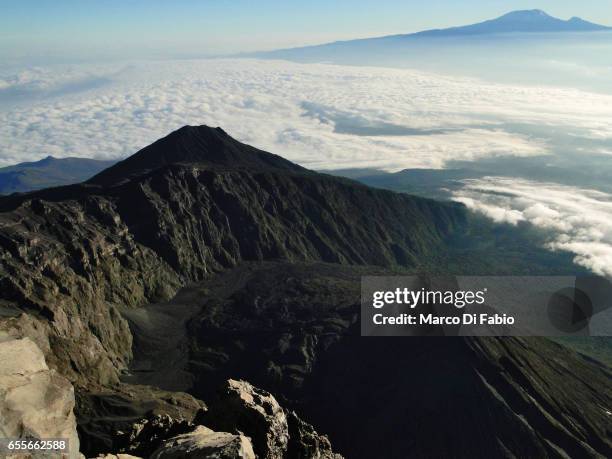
(146, 28)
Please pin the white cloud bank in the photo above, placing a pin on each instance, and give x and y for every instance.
(323, 117)
(578, 219)
(263, 103)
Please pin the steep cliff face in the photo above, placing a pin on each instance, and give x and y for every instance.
(189, 205)
(70, 265)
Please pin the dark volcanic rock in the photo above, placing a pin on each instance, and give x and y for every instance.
(274, 432)
(147, 435)
(247, 420)
(72, 258)
(238, 406)
(132, 418)
(195, 144)
(305, 442)
(294, 330)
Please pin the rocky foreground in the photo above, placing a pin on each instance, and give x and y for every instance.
(160, 287)
(36, 402)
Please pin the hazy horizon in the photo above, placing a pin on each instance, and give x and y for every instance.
(68, 31)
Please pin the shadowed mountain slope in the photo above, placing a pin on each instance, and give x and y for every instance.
(194, 145)
(294, 330)
(73, 257)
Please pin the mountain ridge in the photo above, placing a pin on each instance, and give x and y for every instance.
(521, 21)
(48, 172)
(535, 21)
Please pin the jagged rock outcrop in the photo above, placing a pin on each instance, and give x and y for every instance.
(35, 402)
(240, 407)
(147, 435)
(305, 442)
(203, 443)
(154, 427)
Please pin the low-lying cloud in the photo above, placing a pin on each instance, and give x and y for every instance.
(322, 116)
(37, 83)
(578, 220)
(329, 117)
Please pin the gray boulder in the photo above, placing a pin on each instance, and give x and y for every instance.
(35, 402)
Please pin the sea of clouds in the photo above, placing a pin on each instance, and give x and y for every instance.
(324, 117)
